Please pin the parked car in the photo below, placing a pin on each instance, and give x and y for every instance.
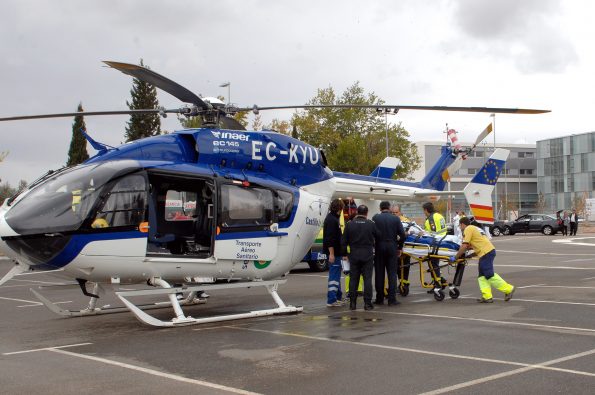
(499, 227)
(315, 258)
(544, 223)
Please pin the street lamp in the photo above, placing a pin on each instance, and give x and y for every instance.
(386, 111)
(493, 116)
(228, 86)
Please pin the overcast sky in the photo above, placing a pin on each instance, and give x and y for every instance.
(505, 53)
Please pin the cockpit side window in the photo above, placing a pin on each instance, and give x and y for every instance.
(246, 206)
(124, 205)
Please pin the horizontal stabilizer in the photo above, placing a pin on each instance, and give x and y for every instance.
(386, 168)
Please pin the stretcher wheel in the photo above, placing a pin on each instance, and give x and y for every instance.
(404, 289)
(454, 293)
(439, 296)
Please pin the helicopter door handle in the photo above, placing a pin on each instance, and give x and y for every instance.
(270, 233)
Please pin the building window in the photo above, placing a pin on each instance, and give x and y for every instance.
(526, 172)
(525, 154)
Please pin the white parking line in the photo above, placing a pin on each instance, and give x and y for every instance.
(540, 253)
(512, 323)
(155, 372)
(46, 348)
(44, 282)
(433, 353)
(548, 267)
(21, 300)
(40, 304)
(550, 301)
(516, 371)
(308, 275)
(553, 286)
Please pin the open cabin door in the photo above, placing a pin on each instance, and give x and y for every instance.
(181, 216)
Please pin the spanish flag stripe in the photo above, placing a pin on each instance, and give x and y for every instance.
(488, 219)
(482, 213)
(479, 206)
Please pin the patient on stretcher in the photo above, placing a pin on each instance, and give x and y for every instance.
(420, 243)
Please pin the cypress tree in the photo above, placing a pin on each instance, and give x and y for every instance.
(77, 153)
(144, 96)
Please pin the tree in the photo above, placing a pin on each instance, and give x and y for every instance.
(540, 205)
(354, 139)
(144, 96)
(256, 122)
(77, 153)
(196, 122)
(280, 126)
(579, 202)
(7, 191)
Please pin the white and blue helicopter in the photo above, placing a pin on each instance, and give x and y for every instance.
(211, 208)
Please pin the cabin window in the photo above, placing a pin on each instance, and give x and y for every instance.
(180, 205)
(124, 205)
(283, 205)
(246, 206)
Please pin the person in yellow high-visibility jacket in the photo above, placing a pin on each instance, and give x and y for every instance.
(474, 237)
(436, 224)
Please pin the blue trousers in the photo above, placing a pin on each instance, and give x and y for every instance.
(486, 265)
(334, 281)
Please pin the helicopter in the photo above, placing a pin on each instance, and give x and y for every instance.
(217, 207)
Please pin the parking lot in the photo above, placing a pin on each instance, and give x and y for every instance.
(543, 341)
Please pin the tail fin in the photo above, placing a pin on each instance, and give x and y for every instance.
(479, 191)
(386, 168)
(438, 176)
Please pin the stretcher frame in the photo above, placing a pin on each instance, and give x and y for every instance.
(436, 284)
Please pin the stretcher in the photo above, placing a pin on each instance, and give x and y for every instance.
(421, 248)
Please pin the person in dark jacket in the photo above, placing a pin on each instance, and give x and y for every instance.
(360, 235)
(388, 249)
(331, 246)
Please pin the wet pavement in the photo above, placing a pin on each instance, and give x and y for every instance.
(543, 341)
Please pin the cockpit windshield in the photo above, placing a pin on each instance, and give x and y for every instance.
(61, 203)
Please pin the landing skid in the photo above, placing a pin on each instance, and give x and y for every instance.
(182, 320)
(92, 310)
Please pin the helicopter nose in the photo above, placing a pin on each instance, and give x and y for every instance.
(6, 231)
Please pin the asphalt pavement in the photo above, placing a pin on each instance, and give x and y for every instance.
(543, 341)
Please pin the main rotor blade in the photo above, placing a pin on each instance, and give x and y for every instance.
(161, 82)
(85, 113)
(483, 135)
(397, 107)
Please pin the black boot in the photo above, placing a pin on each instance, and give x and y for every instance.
(352, 303)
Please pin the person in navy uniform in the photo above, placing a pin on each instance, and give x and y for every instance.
(360, 236)
(331, 246)
(389, 245)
